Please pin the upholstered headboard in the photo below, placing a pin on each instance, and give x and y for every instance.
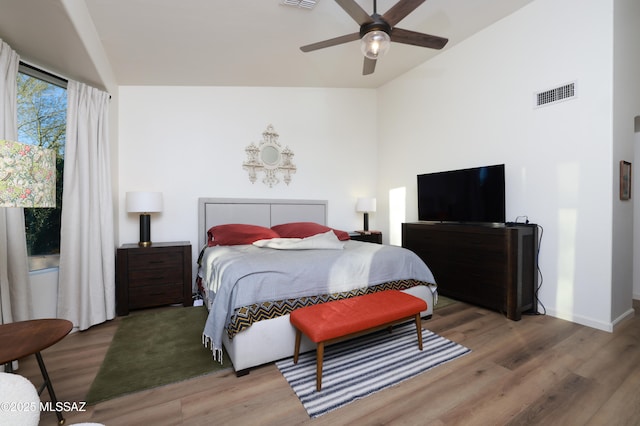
(263, 212)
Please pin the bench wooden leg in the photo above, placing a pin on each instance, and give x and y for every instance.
(419, 330)
(319, 356)
(296, 349)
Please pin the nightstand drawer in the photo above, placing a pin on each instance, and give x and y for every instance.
(155, 295)
(165, 259)
(151, 277)
(367, 237)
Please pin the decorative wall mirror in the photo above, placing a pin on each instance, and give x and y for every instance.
(269, 157)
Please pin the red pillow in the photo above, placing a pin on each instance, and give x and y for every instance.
(306, 229)
(233, 234)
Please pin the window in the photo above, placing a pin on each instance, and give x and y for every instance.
(42, 118)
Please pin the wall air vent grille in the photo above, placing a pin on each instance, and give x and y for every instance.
(304, 4)
(558, 94)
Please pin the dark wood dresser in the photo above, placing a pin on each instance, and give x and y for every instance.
(491, 266)
(153, 276)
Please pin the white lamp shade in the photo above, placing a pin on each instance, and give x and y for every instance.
(366, 205)
(144, 202)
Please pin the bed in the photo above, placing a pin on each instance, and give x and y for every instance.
(249, 290)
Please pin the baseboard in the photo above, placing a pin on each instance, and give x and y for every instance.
(578, 319)
(628, 314)
(590, 322)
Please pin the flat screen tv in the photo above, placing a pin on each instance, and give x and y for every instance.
(473, 195)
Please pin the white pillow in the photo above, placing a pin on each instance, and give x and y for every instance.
(324, 241)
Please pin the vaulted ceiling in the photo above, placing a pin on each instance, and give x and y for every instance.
(228, 43)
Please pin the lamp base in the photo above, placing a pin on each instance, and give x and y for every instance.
(145, 230)
(366, 221)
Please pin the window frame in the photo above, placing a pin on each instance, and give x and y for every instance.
(43, 261)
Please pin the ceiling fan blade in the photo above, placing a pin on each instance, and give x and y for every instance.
(400, 10)
(399, 35)
(369, 66)
(331, 42)
(355, 11)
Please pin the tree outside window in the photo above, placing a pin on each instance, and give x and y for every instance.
(42, 118)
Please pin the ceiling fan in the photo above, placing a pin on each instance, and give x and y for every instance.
(377, 31)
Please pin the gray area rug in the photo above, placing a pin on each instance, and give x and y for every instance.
(360, 367)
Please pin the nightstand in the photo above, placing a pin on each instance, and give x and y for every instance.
(367, 236)
(153, 276)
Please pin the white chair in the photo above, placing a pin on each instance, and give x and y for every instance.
(19, 401)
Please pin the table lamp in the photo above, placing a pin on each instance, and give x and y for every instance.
(144, 203)
(366, 206)
(27, 175)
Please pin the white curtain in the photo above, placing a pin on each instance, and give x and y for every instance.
(86, 289)
(15, 301)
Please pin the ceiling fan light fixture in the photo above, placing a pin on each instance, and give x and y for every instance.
(375, 44)
(375, 31)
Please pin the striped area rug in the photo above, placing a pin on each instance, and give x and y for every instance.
(360, 367)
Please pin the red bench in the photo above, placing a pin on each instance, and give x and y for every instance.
(329, 322)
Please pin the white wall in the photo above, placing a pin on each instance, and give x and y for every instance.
(189, 142)
(43, 293)
(625, 108)
(473, 105)
(636, 211)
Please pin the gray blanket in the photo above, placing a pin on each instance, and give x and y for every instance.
(243, 275)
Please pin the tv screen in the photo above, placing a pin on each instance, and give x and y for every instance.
(467, 195)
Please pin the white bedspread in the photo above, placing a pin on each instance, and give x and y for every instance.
(243, 275)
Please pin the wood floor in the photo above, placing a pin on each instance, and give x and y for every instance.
(539, 370)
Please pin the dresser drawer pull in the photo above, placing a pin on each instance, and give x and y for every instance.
(158, 277)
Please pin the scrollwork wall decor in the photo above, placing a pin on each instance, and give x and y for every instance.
(269, 157)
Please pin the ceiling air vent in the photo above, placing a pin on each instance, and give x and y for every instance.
(558, 94)
(304, 4)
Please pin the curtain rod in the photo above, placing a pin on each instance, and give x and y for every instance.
(44, 75)
(47, 76)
